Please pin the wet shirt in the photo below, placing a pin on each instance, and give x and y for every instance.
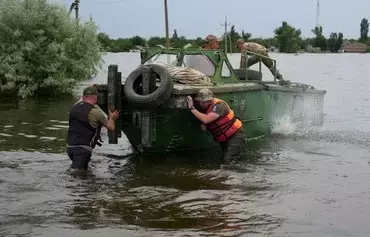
(220, 109)
(97, 117)
(254, 47)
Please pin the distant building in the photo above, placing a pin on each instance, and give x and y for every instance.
(355, 47)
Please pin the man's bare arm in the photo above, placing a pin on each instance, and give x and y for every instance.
(205, 118)
(110, 123)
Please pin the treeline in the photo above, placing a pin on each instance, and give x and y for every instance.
(286, 38)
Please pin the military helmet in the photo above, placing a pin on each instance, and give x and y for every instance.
(204, 95)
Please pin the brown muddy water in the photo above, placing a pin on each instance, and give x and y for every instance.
(300, 181)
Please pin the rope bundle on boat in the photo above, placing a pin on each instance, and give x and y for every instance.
(187, 75)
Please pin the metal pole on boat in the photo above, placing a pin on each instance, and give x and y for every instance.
(166, 24)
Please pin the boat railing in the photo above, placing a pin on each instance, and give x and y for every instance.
(260, 56)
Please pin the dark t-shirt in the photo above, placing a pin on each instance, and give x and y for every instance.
(220, 109)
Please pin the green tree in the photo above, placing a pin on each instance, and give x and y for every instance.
(339, 42)
(271, 42)
(233, 36)
(43, 51)
(364, 29)
(154, 41)
(175, 40)
(332, 42)
(198, 42)
(105, 41)
(265, 42)
(137, 40)
(121, 45)
(246, 36)
(175, 36)
(320, 40)
(288, 38)
(181, 42)
(305, 43)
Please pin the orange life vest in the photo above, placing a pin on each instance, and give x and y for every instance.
(224, 126)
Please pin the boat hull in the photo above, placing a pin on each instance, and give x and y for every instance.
(174, 128)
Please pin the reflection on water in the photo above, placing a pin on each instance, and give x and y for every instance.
(152, 194)
(285, 185)
(34, 125)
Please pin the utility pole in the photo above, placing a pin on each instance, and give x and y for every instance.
(166, 24)
(317, 13)
(75, 6)
(225, 25)
(231, 45)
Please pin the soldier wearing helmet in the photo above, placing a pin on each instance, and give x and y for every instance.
(211, 42)
(85, 122)
(259, 49)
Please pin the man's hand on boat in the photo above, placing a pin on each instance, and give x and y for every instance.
(190, 102)
(114, 115)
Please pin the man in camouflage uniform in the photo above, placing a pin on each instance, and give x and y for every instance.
(259, 49)
(197, 61)
(85, 122)
(211, 42)
(218, 118)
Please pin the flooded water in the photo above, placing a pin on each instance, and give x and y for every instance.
(300, 181)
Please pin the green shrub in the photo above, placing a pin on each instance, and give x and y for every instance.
(43, 51)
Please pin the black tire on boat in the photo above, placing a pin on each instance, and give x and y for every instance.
(154, 99)
(253, 75)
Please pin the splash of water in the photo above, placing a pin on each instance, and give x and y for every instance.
(303, 115)
(283, 125)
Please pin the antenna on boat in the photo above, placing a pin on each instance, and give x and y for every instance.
(225, 37)
(166, 24)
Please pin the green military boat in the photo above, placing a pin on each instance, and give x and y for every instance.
(152, 100)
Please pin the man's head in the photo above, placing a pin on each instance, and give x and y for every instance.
(204, 98)
(211, 42)
(90, 94)
(239, 44)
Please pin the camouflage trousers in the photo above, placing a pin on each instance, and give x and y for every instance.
(266, 61)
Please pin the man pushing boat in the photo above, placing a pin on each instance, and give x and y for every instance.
(258, 49)
(85, 122)
(218, 118)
